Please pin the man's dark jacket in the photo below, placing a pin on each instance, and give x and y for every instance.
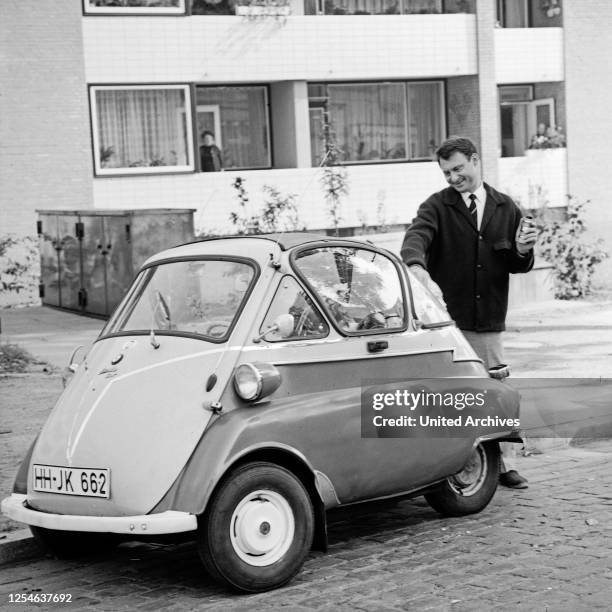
(471, 267)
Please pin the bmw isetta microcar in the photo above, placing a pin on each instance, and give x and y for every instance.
(246, 385)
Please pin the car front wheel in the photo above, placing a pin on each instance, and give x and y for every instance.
(258, 528)
(471, 489)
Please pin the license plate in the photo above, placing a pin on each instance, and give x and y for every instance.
(71, 480)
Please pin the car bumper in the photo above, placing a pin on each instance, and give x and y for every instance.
(147, 524)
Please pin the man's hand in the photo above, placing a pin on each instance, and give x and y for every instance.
(526, 236)
(422, 275)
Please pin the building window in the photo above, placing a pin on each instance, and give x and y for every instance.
(141, 129)
(386, 7)
(134, 7)
(524, 121)
(513, 13)
(237, 119)
(376, 122)
(213, 7)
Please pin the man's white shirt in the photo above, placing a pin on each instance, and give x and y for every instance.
(481, 198)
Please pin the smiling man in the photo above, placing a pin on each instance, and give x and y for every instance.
(463, 244)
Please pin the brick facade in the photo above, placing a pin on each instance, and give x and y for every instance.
(45, 154)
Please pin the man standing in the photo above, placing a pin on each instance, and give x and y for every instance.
(462, 245)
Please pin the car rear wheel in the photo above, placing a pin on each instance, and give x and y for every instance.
(258, 528)
(71, 544)
(471, 489)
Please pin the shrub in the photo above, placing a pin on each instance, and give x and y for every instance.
(19, 268)
(563, 244)
(278, 214)
(14, 359)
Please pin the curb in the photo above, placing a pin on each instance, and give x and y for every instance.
(18, 545)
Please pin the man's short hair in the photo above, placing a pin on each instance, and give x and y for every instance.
(456, 144)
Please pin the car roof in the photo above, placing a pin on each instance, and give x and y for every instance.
(256, 246)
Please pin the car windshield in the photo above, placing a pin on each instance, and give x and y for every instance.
(199, 297)
(428, 308)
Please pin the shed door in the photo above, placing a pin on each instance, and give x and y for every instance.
(106, 262)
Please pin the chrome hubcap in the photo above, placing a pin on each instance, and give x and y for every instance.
(262, 528)
(470, 479)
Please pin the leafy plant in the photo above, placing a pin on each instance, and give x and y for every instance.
(105, 154)
(563, 244)
(14, 359)
(278, 214)
(18, 263)
(334, 178)
(553, 138)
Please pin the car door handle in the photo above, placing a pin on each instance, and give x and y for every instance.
(376, 346)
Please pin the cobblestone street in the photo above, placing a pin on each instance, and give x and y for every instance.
(544, 548)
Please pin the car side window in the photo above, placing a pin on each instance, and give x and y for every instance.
(290, 298)
(360, 288)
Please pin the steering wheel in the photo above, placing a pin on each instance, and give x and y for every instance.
(373, 320)
(215, 329)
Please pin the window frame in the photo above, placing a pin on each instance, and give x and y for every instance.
(319, 102)
(100, 172)
(502, 18)
(407, 305)
(148, 11)
(267, 112)
(315, 304)
(141, 282)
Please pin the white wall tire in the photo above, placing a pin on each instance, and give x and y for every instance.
(257, 529)
(471, 489)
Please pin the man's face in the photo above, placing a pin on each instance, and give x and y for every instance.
(462, 173)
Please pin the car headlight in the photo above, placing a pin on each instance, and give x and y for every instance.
(253, 381)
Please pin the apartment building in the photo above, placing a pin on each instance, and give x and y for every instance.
(116, 104)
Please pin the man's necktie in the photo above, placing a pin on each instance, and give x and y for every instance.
(472, 209)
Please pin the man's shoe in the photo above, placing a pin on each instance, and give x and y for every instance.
(513, 480)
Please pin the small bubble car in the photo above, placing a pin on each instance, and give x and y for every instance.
(246, 385)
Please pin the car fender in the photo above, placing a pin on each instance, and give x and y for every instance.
(228, 443)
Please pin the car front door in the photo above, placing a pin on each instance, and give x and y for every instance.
(350, 338)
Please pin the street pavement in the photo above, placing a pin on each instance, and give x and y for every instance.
(543, 548)
(546, 548)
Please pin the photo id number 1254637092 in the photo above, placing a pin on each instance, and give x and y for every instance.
(40, 598)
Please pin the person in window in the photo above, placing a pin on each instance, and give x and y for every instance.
(463, 244)
(539, 139)
(210, 154)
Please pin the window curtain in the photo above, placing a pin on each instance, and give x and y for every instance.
(514, 14)
(142, 128)
(425, 133)
(362, 7)
(368, 121)
(422, 6)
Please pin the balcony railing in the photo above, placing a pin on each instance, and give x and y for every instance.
(536, 179)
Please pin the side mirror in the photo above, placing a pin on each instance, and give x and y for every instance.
(283, 324)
